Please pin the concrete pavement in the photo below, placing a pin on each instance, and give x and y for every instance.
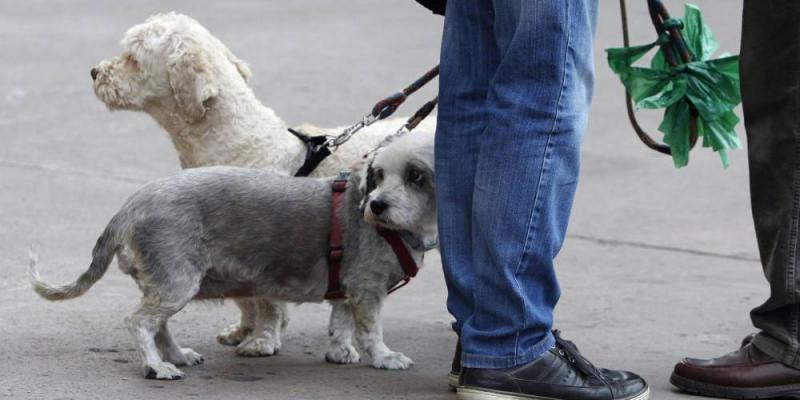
(659, 264)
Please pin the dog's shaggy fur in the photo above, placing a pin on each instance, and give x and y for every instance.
(173, 69)
(217, 232)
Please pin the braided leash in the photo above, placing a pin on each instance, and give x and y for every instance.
(319, 147)
(384, 108)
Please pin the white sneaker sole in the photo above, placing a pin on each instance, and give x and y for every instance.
(452, 381)
(476, 394)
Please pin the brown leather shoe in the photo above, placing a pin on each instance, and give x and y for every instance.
(747, 373)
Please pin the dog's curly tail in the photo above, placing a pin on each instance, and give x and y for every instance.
(103, 253)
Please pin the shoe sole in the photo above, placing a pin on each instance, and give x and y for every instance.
(466, 393)
(452, 381)
(731, 392)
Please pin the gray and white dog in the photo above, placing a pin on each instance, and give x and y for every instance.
(227, 232)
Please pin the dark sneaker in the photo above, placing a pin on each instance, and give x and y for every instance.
(455, 368)
(747, 373)
(562, 373)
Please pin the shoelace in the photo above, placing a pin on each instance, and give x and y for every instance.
(573, 355)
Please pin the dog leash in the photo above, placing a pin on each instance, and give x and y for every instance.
(410, 124)
(336, 248)
(318, 147)
(675, 52)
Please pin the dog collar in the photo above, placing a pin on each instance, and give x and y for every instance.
(405, 258)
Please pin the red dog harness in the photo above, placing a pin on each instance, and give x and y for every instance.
(336, 251)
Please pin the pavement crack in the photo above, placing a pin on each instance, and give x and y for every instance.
(673, 249)
(73, 172)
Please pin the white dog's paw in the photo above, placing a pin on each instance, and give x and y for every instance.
(188, 357)
(393, 360)
(258, 347)
(345, 354)
(162, 371)
(233, 335)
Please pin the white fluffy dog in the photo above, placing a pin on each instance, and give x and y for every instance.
(173, 69)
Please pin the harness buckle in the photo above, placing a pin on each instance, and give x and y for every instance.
(339, 185)
(335, 254)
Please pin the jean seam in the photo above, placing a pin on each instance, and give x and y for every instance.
(542, 175)
(791, 272)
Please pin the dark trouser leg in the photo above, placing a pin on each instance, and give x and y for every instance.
(770, 70)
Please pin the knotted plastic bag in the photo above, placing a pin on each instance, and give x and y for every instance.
(711, 86)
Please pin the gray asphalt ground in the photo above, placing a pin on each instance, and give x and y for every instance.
(659, 263)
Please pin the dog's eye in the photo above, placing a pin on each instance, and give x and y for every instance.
(415, 176)
(378, 175)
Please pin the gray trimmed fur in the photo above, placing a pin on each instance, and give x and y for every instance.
(227, 232)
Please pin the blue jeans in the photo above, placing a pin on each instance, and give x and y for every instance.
(515, 88)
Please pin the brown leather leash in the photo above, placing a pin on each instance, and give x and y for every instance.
(336, 249)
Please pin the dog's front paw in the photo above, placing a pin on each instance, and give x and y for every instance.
(257, 347)
(162, 371)
(393, 361)
(233, 335)
(345, 354)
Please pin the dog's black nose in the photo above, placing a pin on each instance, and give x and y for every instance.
(378, 206)
(94, 72)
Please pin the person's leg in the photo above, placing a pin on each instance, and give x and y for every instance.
(527, 170)
(770, 69)
(526, 176)
(468, 60)
(770, 83)
(515, 203)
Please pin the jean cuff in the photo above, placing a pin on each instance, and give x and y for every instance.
(482, 361)
(777, 350)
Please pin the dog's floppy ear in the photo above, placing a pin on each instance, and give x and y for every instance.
(358, 178)
(193, 83)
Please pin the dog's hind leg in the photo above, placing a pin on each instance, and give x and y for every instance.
(369, 332)
(265, 337)
(172, 352)
(284, 309)
(235, 334)
(144, 324)
(166, 291)
(340, 330)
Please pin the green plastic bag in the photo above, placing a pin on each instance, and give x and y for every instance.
(711, 86)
